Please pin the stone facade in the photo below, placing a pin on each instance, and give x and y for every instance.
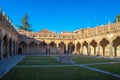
(8, 37)
(99, 41)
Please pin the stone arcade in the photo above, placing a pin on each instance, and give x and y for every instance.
(99, 41)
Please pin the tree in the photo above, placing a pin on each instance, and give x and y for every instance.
(25, 24)
(118, 18)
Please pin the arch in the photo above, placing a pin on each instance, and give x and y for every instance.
(4, 46)
(22, 47)
(32, 47)
(43, 48)
(62, 48)
(71, 48)
(52, 44)
(10, 47)
(85, 48)
(93, 45)
(116, 45)
(53, 48)
(104, 48)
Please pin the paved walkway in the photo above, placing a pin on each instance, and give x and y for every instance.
(9, 63)
(101, 63)
(99, 70)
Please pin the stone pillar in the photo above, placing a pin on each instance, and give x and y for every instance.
(27, 48)
(15, 48)
(111, 49)
(66, 48)
(8, 48)
(38, 48)
(81, 49)
(98, 49)
(70, 49)
(48, 50)
(88, 49)
(57, 45)
(1, 49)
(12, 48)
(75, 51)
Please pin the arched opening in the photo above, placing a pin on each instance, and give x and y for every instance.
(85, 48)
(93, 46)
(10, 47)
(32, 47)
(53, 48)
(104, 49)
(62, 48)
(116, 44)
(5, 46)
(14, 47)
(71, 48)
(78, 48)
(22, 47)
(43, 48)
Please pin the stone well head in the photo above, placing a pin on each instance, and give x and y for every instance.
(66, 58)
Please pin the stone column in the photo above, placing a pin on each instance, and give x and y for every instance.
(57, 45)
(27, 48)
(12, 48)
(15, 48)
(98, 49)
(88, 49)
(38, 48)
(8, 48)
(81, 49)
(75, 51)
(1, 49)
(70, 51)
(48, 50)
(111, 49)
(66, 48)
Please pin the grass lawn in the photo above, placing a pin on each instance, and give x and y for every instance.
(115, 68)
(85, 60)
(40, 60)
(56, 73)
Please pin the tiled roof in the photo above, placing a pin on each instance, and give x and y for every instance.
(45, 31)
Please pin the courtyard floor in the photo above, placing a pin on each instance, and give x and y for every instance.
(48, 68)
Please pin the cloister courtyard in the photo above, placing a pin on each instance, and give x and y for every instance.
(83, 53)
(44, 67)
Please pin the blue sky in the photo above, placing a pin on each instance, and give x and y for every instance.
(62, 15)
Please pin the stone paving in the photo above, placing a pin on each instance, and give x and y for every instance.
(98, 70)
(9, 63)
